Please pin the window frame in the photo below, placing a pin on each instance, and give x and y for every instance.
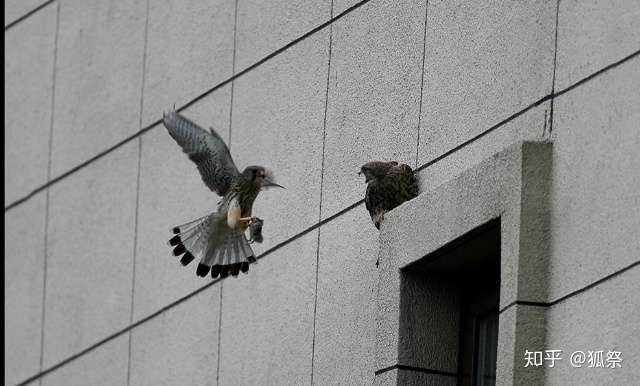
(512, 185)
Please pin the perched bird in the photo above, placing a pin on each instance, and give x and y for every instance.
(389, 184)
(218, 239)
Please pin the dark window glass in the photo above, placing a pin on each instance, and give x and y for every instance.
(486, 349)
(467, 270)
(479, 328)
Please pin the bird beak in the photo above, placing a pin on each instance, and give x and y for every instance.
(267, 183)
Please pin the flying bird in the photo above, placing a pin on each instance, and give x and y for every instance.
(389, 184)
(218, 239)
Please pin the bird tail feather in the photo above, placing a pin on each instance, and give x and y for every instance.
(221, 251)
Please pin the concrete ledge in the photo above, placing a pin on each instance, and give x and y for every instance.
(511, 185)
(413, 377)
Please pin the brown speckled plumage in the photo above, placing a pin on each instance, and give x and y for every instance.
(389, 184)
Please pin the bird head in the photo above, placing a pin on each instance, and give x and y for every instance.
(376, 169)
(260, 177)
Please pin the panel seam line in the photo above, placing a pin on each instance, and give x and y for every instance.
(137, 211)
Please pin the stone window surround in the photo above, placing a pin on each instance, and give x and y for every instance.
(512, 186)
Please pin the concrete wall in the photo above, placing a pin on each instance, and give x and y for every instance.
(93, 182)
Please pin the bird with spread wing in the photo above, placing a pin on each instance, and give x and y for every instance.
(218, 239)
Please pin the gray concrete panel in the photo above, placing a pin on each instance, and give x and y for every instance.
(593, 34)
(511, 185)
(594, 194)
(429, 322)
(406, 377)
(265, 26)
(389, 378)
(267, 319)
(340, 6)
(171, 193)
(23, 289)
(603, 318)
(104, 366)
(90, 254)
(532, 125)
(483, 62)
(28, 69)
(374, 95)
(180, 346)
(347, 276)
(416, 378)
(522, 328)
(15, 9)
(189, 50)
(278, 115)
(98, 78)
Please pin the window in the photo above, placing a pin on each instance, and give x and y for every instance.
(478, 329)
(460, 284)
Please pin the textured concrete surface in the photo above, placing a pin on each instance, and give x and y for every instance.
(412, 378)
(104, 366)
(386, 379)
(171, 193)
(483, 62)
(15, 9)
(347, 276)
(23, 289)
(97, 97)
(278, 114)
(522, 328)
(429, 322)
(90, 254)
(594, 194)
(604, 318)
(374, 95)
(593, 34)
(532, 125)
(511, 185)
(189, 50)
(178, 345)
(340, 6)
(267, 319)
(28, 71)
(265, 26)
(501, 186)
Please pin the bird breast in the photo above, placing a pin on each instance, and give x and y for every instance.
(234, 213)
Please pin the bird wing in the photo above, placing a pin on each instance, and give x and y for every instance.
(374, 198)
(407, 181)
(206, 149)
(397, 186)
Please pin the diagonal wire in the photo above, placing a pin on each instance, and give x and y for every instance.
(188, 104)
(349, 208)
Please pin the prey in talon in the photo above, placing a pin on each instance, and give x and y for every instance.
(255, 230)
(218, 240)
